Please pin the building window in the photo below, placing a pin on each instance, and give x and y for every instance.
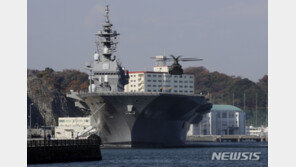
(224, 115)
(159, 80)
(154, 80)
(175, 76)
(159, 75)
(154, 85)
(148, 80)
(185, 86)
(148, 85)
(185, 91)
(218, 115)
(175, 91)
(191, 76)
(148, 75)
(154, 75)
(231, 115)
(181, 81)
(190, 81)
(154, 90)
(191, 86)
(181, 91)
(181, 86)
(191, 91)
(149, 90)
(176, 81)
(185, 81)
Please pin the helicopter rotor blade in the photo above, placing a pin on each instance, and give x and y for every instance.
(173, 56)
(190, 59)
(165, 59)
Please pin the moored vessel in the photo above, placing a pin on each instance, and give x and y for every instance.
(143, 108)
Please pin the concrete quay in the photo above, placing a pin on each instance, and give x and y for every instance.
(53, 151)
(222, 138)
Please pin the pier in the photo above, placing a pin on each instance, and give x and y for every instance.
(223, 138)
(52, 151)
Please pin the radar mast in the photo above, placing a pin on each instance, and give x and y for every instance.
(106, 74)
(107, 39)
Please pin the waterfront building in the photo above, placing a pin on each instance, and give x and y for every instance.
(73, 127)
(160, 80)
(256, 131)
(221, 120)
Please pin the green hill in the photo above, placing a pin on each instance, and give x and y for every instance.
(241, 92)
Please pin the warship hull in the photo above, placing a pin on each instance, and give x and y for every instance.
(144, 119)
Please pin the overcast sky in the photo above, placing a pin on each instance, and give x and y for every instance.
(230, 35)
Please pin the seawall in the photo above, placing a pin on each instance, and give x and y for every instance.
(53, 151)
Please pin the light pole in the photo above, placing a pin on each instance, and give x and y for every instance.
(44, 129)
(31, 119)
(31, 115)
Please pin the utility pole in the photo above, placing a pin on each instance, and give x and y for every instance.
(90, 79)
(244, 102)
(266, 108)
(256, 110)
(44, 130)
(233, 98)
(44, 126)
(31, 119)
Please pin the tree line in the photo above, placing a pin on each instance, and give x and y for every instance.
(252, 97)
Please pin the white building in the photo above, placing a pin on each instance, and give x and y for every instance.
(256, 131)
(73, 127)
(159, 80)
(222, 120)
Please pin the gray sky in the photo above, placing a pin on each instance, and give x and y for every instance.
(230, 35)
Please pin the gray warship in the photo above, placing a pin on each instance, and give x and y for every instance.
(135, 119)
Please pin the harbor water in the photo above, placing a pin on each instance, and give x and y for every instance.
(185, 157)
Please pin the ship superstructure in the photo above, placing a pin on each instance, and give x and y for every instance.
(106, 73)
(156, 114)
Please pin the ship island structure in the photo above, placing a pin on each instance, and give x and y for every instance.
(140, 108)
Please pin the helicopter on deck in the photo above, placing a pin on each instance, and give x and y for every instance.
(175, 68)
